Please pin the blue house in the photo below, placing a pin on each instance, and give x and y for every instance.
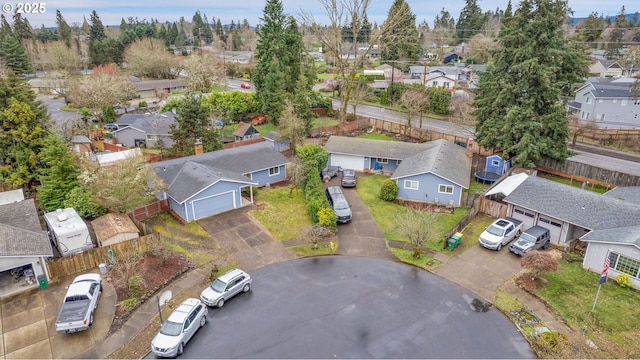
(202, 185)
(435, 171)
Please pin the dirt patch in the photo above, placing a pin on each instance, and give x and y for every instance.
(530, 283)
(139, 278)
(423, 206)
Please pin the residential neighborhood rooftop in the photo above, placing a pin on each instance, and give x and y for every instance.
(369, 147)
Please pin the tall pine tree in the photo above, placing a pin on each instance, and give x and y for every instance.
(518, 99)
(470, 21)
(63, 29)
(400, 42)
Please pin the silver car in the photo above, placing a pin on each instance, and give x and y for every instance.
(179, 328)
(225, 287)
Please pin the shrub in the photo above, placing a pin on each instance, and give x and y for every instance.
(388, 190)
(623, 281)
(327, 217)
(142, 104)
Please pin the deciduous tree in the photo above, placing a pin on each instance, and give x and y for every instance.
(149, 57)
(291, 126)
(417, 227)
(202, 72)
(538, 262)
(413, 102)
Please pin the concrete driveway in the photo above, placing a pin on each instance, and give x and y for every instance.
(28, 324)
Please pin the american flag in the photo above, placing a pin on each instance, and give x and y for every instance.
(603, 276)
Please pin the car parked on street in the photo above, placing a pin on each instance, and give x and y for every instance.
(179, 328)
(225, 287)
(348, 178)
(245, 86)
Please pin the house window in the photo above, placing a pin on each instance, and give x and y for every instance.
(445, 189)
(274, 171)
(588, 100)
(600, 117)
(152, 137)
(550, 222)
(411, 184)
(623, 102)
(522, 212)
(625, 265)
(446, 84)
(495, 163)
(382, 161)
(434, 83)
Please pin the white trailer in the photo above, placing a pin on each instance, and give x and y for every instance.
(68, 231)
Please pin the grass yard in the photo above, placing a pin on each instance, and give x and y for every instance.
(384, 212)
(376, 136)
(472, 231)
(477, 187)
(265, 128)
(424, 262)
(613, 325)
(323, 121)
(283, 213)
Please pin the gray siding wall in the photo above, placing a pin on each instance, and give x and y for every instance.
(428, 185)
(263, 177)
(127, 136)
(608, 112)
(597, 252)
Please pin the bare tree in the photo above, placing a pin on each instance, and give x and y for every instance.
(317, 233)
(359, 95)
(202, 72)
(291, 126)
(338, 13)
(417, 227)
(481, 47)
(413, 101)
(462, 113)
(538, 262)
(149, 57)
(61, 58)
(104, 88)
(123, 185)
(578, 128)
(296, 175)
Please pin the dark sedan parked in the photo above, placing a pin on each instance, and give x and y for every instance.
(348, 178)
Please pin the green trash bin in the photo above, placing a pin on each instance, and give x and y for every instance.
(42, 280)
(454, 241)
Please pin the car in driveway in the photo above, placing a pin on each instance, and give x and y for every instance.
(348, 178)
(225, 287)
(179, 328)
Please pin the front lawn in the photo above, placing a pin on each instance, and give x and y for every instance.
(613, 326)
(384, 212)
(323, 121)
(282, 212)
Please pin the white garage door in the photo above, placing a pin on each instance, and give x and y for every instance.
(526, 216)
(554, 226)
(347, 161)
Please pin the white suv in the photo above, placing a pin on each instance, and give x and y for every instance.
(179, 328)
(225, 287)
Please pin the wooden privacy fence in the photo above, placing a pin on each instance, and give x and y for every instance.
(475, 208)
(492, 208)
(90, 259)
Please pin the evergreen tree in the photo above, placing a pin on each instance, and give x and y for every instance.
(23, 129)
(470, 21)
(192, 122)
(21, 28)
(590, 29)
(400, 41)
(58, 173)
(364, 35)
(96, 30)
(63, 29)
(518, 99)
(43, 35)
(173, 33)
(5, 27)
(14, 56)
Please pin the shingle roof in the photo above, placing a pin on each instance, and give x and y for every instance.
(153, 125)
(193, 178)
(80, 139)
(396, 150)
(576, 206)
(244, 129)
(625, 193)
(617, 90)
(623, 235)
(227, 164)
(20, 231)
(444, 159)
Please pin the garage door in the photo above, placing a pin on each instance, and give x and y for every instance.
(347, 161)
(554, 226)
(213, 205)
(526, 216)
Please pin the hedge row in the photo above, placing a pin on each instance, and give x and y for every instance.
(317, 204)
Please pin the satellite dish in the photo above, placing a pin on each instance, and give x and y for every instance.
(164, 297)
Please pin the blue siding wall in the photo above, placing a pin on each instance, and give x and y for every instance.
(391, 165)
(499, 168)
(428, 185)
(210, 204)
(263, 177)
(178, 208)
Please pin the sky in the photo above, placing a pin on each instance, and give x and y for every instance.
(112, 11)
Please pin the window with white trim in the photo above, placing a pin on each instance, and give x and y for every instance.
(435, 83)
(446, 85)
(550, 222)
(411, 184)
(274, 171)
(445, 189)
(495, 162)
(382, 161)
(625, 265)
(588, 100)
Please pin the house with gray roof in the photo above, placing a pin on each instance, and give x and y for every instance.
(22, 240)
(205, 184)
(143, 130)
(609, 103)
(608, 224)
(435, 171)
